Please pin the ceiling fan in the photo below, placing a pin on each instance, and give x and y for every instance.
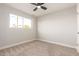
(39, 5)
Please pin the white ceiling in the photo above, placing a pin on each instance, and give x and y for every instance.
(52, 7)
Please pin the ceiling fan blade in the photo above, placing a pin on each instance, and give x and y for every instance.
(34, 4)
(43, 7)
(35, 9)
(40, 4)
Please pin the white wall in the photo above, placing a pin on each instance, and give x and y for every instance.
(10, 36)
(59, 27)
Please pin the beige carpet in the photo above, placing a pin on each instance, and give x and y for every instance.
(38, 48)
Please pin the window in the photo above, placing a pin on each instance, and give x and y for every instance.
(13, 21)
(19, 22)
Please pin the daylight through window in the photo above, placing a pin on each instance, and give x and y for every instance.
(19, 22)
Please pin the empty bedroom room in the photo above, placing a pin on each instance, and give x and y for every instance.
(39, 29)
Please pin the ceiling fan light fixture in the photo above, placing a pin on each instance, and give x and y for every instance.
(38, 6)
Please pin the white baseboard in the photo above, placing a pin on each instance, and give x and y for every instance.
(57, 43)
(8, 46)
